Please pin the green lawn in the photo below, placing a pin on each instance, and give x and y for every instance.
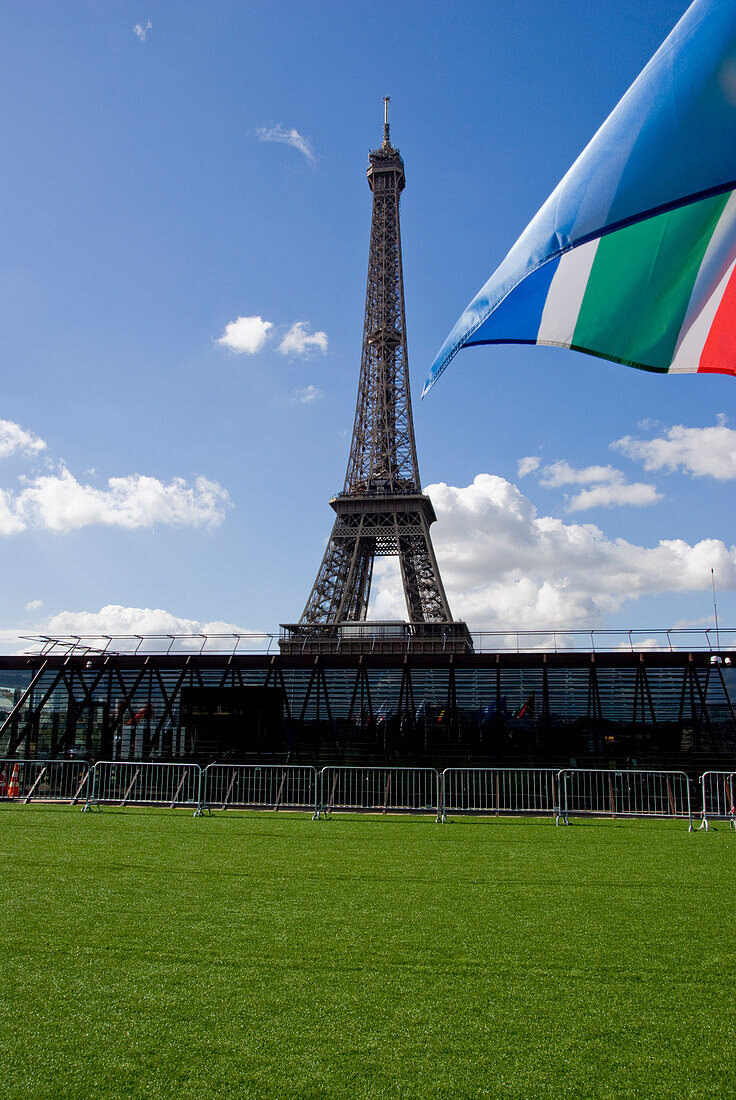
(150, 954)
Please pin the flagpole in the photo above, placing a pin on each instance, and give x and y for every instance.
(715, 608)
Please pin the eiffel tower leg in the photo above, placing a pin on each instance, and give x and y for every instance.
(328, 589)
(357, 610)
(353, 606)
(425, 596)
(342, 588)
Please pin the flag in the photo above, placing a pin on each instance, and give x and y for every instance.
(632, 256)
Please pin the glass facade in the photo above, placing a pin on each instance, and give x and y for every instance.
(476, 708)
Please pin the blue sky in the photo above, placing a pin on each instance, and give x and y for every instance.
(145, 212)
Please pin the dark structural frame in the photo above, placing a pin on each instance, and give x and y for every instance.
(603, 709)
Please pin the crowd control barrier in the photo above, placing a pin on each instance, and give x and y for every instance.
(260, 786)
(569, 792)
(44, 780)
(499, 790)
(718, 797)
(149, 783)
(625, 793)
(379, 790)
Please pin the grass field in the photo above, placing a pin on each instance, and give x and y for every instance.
(150, 954)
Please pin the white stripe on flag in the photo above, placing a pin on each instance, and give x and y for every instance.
(565, 295)
(710, 285)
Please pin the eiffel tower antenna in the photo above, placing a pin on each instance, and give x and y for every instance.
(381, 509)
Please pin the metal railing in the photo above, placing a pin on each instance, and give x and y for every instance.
(145, 783)
(44, 780)
(260, 786)
(499, 790)
(379, 790)
(565, 793)
(718, 791)
(721, 640)
(624, 793)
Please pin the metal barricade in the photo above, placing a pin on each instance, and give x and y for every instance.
(624, 793)
(260, 786)
(150, 783)
(718, 790)
(379, 790)
(499, 791)
(44, 780)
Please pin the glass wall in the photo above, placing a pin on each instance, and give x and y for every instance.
(132, 709)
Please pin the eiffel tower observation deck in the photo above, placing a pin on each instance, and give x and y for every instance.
(381, 510)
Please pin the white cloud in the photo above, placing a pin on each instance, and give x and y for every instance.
(116, 620)
(562, 473)
(506, 567)
(299, 341)
(635, 493)
(249, 335)
(246, 335)
(609, 486)
(10, 522)
(702, 452)
(34, 605)
(702, 620)
(16, 440)
(291, 137)
(58, 502)
(307, 395)
(141, 32)
(528, 465)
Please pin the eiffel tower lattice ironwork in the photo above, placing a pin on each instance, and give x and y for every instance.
(381, 509)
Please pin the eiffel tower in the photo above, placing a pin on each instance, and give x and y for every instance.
(381, 509)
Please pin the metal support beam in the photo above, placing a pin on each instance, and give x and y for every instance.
(643, 695)
(595, 710)
(18, 707)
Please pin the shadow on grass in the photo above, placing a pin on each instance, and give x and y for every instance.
(509, 819)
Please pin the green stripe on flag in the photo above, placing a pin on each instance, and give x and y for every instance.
(639, 288)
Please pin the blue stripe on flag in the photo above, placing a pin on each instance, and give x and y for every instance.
(519, 316)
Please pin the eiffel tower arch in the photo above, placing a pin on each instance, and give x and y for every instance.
(381, 510)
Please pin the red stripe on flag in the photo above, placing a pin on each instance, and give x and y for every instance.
(719, 350)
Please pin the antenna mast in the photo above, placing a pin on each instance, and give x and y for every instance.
(715, 608)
